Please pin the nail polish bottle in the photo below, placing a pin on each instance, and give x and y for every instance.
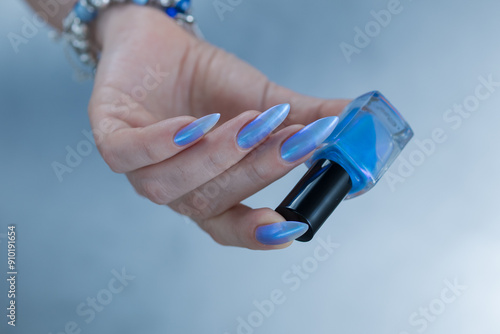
(370, 135)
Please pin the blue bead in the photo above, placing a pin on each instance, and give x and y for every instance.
(140, 2)
(171, 11)
(83, 13)
(183, 5)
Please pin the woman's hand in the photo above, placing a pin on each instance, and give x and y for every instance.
(153, 80)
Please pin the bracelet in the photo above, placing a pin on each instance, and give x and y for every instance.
(76, 25)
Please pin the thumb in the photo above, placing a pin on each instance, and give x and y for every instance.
(305, 109)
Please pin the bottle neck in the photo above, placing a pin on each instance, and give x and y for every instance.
(316, 196)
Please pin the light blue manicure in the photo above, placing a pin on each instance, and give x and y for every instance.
(263, 125)
(280, 233)
(196, 129)
(308, 139)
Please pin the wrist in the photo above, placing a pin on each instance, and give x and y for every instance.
(95, 27)
(115, 24)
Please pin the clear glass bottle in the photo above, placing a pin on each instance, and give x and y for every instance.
(370, 135)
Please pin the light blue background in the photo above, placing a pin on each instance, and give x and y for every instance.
(396, 247)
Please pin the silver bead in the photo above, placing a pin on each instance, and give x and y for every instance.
(99, 4)
(87, 59)
(166, 3)
(184, 18)
(68, 21)
(189, 19)
(80, 45)
(84, 57)
(80, 30)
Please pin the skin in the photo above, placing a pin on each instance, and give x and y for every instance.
(207, 179)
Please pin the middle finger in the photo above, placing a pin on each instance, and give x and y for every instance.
(215, 153)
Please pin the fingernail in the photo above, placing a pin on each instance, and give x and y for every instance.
(196, 129)
(308, 139)
(280, 233)
(263, 125)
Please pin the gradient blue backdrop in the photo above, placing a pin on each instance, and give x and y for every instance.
(396, 247)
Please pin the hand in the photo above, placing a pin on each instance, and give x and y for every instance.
(154, 79)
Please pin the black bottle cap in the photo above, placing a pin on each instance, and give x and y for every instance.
(316, 195)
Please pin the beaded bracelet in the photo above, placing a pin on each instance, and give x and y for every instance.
(76, 24)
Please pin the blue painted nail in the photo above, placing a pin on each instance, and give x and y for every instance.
(308, 139)
(263, 125)
(196, 129)
(280, 233)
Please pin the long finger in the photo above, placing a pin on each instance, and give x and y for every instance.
(260, 229)
(221, 149)
(266, 164)
(128, 149)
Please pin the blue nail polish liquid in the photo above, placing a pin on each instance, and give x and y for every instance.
(369, 137)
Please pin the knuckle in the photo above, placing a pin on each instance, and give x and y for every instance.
(111, 159)
(154, 191)
(209, 226)
(151, 154)
(203, 203)
(180, 206)
(258, 173)
(216, 162)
